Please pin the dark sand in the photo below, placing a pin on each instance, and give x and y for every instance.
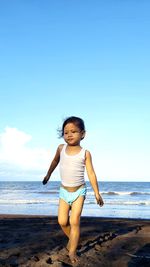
(38, 241)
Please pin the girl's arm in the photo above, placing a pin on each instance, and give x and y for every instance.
(92, 177)
(53, 164)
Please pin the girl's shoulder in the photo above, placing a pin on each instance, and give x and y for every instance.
(87, 153)
(60, 147)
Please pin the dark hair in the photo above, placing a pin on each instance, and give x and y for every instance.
(76, 120)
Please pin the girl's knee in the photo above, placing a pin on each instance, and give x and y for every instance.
(62, 222)
(75, 221)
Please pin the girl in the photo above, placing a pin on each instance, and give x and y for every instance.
(73, 159)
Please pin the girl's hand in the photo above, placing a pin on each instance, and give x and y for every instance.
(45, 180)
(99, 200)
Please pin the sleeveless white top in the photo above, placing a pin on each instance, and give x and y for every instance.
(72, 168)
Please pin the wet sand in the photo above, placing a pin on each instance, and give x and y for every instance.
(38, 241)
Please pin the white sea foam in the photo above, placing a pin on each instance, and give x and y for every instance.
(27, 201)
(147, 203)
(121, 193)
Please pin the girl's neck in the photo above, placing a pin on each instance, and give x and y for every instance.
(75, 145)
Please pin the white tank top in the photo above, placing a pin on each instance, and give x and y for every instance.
(72, 168)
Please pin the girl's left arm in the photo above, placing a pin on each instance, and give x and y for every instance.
(92, 177)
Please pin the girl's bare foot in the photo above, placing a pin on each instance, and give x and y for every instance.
(73, 257)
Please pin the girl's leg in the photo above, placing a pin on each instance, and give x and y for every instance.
(76, 210)
(63, 216)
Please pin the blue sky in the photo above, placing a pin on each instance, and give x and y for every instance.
(84, 58)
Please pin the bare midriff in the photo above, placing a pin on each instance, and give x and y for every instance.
(72, 189)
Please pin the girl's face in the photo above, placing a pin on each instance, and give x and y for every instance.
(72, 134)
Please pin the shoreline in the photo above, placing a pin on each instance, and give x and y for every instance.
(37, 240)
(14, 215)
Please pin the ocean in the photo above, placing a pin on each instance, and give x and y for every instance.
(122, 199)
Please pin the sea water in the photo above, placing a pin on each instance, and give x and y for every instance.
(122, 199)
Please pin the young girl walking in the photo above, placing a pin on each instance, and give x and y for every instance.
(73, 159)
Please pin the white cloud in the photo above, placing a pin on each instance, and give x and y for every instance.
(15, 151)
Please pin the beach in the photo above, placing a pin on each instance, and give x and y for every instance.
(34, 240)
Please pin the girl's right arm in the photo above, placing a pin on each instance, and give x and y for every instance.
(53, 164)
